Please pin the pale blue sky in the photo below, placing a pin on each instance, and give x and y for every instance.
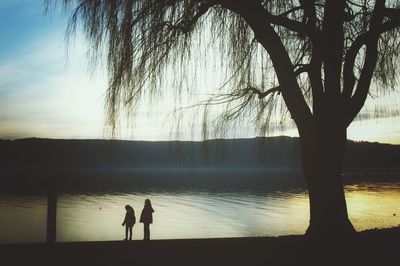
(44, 93)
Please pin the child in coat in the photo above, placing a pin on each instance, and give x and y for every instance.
(146, 218)
(129, 221)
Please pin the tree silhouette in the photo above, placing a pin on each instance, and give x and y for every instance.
(320, 56)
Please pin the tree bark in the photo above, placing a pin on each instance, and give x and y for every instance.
(322, 152)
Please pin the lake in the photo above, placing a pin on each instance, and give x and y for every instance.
(199, 210)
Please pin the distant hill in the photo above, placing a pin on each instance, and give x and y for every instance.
(257, 164)
(259, 153)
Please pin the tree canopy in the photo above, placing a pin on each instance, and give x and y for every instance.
(257, 50)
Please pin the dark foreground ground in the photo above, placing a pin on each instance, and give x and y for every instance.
(373, 247)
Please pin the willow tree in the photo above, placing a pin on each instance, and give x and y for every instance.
(322, 58)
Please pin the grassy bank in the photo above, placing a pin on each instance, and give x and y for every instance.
(372, 247)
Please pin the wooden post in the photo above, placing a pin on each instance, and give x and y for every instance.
(51, 211)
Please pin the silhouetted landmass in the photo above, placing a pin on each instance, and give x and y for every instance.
(260, 153)
(264, 153)
(112, 154)
(29, 162)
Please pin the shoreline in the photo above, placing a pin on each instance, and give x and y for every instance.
(370, 247)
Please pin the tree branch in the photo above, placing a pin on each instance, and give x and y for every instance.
(259, 20)
(186, 26)
(315, 76)
(309, 16)
(357, 101)
(351, 54)
(293, 25)
(286, 13)
(332, 48)
(262, 94)
(392, 12)
(302, 69)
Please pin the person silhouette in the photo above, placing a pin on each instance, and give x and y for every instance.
(146, 217)
(129, 221)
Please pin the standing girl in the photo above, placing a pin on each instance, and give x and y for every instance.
(147, 218)
(129, 221)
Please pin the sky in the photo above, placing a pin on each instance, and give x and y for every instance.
(47, 91)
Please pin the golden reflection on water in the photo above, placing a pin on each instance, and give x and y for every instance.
(372, 206)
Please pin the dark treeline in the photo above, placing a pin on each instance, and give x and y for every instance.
(259, 163)
(111, 154)
(256, 153)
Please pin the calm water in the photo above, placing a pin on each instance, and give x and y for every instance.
(191, 213)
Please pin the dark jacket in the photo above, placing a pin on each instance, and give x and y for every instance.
(130, 219)
(147, 215)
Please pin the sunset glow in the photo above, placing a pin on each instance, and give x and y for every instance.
(48, 93)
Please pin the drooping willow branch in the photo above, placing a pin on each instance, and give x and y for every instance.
(256, 42)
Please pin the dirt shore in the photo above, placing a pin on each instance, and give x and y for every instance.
(372, 247)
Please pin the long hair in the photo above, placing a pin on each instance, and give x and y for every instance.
(147, 204)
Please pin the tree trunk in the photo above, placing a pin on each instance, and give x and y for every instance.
(322, 153)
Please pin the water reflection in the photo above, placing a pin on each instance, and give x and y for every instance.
(186, 215)
(191, 214)
(373, 204)
(23, 218)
